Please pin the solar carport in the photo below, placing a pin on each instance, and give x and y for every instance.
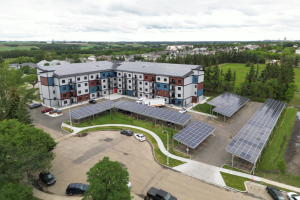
(227, 104)
(248, 144)
(194, 134)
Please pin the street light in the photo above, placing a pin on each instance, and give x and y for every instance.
(167, 145)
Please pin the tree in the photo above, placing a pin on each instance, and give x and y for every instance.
(24, 149)
(228, 75)
(32, 79)
(16, 191)
(296, 61)
(46, 64)
(23, 113)
(290, 93)
(33, 71)
(1, 59)
(25, 69)
(13, 104)
(108, 181)
(281, 165)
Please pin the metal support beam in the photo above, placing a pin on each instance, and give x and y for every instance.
(232, 161)
(224, 118)
(253, 169)
(187, 150)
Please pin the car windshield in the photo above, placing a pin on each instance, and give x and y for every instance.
(49, 176)
(81, 186)
(142, 136)
(281, 198)
(167, 197)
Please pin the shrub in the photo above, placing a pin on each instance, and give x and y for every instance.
(282, 166)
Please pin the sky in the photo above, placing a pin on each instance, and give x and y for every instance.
(155, 20)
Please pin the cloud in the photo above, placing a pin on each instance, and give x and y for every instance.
(155, 20)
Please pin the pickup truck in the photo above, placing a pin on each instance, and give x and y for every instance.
(47, 110)
(155, 194)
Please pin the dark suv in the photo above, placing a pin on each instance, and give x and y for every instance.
(275, 193)
(127, 132)
(92, 101)
(76, 188)
(47, 178)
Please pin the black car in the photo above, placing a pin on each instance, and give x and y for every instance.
(92, 101)
(47, 178)
(127, 132)
(155, 194)
(35, 105)
(170, 124)
(76, 188)
(275, 193)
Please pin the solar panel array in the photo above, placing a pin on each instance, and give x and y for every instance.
(92, 109)
(250, 140)
(194, 134)
(158, 113)
(227, 103)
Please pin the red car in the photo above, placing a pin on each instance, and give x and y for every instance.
(47, 110)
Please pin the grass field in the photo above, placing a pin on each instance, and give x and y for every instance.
(297, 77)
(235, 182)
(205, 108)
(278, 141)
(8, 48)
(240, 70)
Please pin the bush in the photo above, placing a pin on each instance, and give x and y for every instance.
(282, 166)
(248, 64)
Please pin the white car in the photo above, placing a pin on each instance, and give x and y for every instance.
(293, 196)
(140, 137)
(183, 110)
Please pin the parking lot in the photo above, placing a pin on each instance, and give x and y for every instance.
(75, 156)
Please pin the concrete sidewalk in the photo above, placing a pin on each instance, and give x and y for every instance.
(201, 171)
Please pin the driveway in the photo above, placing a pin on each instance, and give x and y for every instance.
(75, 156)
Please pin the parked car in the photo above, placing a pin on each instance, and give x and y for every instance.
(47, 110)
(275, 193)
(293, 196)
(126, 113)
(155, 194)
(92, 101)
(170, 124)
(182, 110)
(76, 188)
(140, 137)
(127, 132)
(34, 105)
(47, 178)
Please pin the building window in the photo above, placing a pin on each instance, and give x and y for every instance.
(104, 86)
(119, 85)
(179, 81)
(53, 91)
(103, 81)
(165, 92)
(78, 79)
(79, 85)
(104, 92)
(119, 74)
(79, 92)
(129, 87)
(146, 90)
(158, 85)
(141, 89)
(179, 88)
(93, 89)
(114, 79)
(129, 75)
(119, 79)
(165, 79)
(80, 98)
(140, 76)
(93, 95)
(92, 83)
(179, 102)
(64, 88)
(165, 86)
(85, 84)
(63, 81)
(146, 77)
(195, 93)
(158, 91)
(158, 78)
(140, 83)
(65, 102)
(64, 95)
(147, 96)
(92, 76)
(141, 95)
(86, 90)
(165, 99)
(115, 84)
(179, 95)
(146, 83)
(120, 91)
(195, 86)
(173, 81)
(103, 75)
(129, 81)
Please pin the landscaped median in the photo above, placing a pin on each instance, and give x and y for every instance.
(205, 107)
(158, 129)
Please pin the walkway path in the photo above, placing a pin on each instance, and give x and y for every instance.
(201, 171)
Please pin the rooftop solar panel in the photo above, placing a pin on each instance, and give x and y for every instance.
(92, 109)
(158, 113)
(227, 103)
(194, 134)
(250, 140)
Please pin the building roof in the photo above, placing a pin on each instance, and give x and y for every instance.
(164, 69)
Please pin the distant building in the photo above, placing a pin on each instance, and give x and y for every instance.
(298, 51)
(18, 66)
(53, 62)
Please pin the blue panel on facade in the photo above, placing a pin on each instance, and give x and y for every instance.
(73, 87)
(200, 92)
(50, 81)
(100, 88)
(195, 79)
(64, 88)
(162, 86)
(129, 93)
(179, 102)
(104, 74)
(93, 89)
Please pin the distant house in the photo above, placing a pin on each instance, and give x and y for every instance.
(273, 61)
(53, 62)
(18, 66)
(92, 57)
(298, 51)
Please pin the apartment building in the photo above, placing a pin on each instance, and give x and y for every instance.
(178, 84)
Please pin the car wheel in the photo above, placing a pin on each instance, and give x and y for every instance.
(71, 194)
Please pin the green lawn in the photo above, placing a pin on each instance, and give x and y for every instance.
(234, 169)
(235, 182)
(240, 70)
(205, 108)
(297, 75)
(278, 141)
(7, 48)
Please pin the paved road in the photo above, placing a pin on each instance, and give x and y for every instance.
(75, 156)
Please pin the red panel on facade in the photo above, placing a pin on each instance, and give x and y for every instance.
(148, 77)
(163, 93)
(83, 97)
(200, 86)
(65, 95)
(44, 80)
(92, 83)
(194, 99)
(177, 81)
